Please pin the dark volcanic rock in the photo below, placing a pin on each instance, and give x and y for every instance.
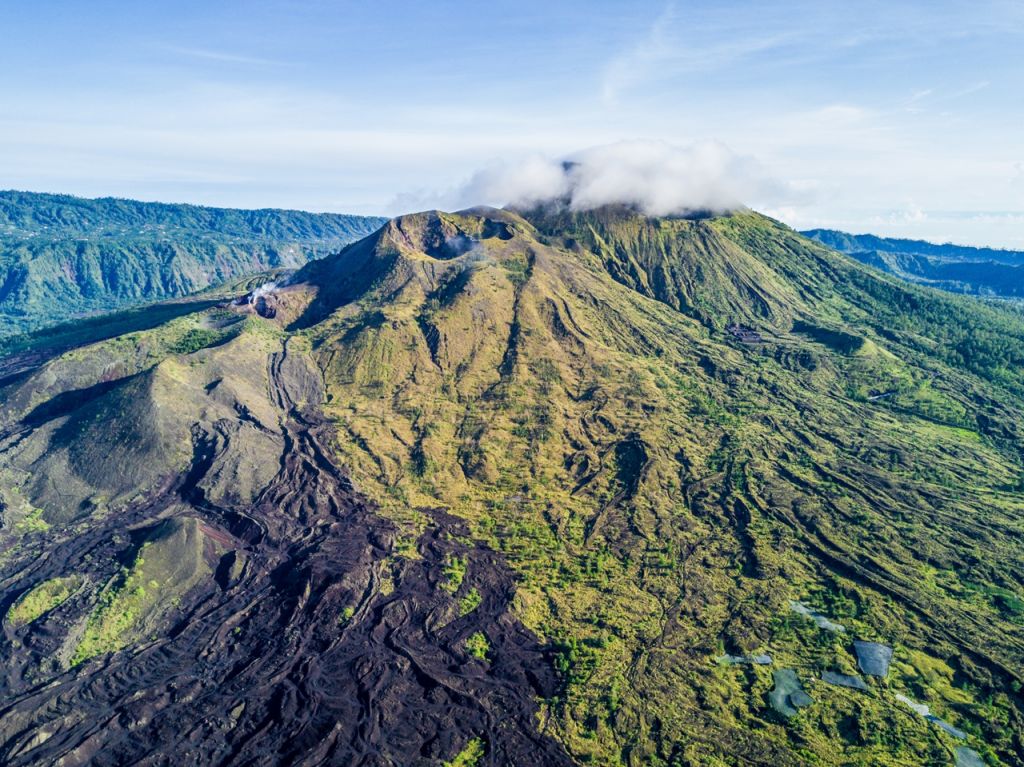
(313, 645)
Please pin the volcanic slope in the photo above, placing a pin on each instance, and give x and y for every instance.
(524, 487)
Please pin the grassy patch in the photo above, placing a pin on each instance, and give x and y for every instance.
(470, 755)
(195, 339)
(478, 646)
(118, 611)
(32, 522)
(41, 599)
(469, 602)
(454, 572)
(165, 567)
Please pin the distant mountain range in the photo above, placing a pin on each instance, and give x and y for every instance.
(63, 256)
(957, 268)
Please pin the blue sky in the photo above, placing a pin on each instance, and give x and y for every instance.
(901, 118)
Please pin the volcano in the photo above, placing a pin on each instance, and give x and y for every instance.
(510, 487)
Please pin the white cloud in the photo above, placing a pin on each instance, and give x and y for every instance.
(656, 177)
(535, 178)
(911, 214)
(970, 89)
(225, 56)
(221, 55)
(661, 179)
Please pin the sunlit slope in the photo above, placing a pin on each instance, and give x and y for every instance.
(595, 458)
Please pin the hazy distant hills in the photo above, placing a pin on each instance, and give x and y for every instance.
(958, 268)
(64, 256)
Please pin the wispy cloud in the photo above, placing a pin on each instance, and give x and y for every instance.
(919, 101)
(665, 53)
(224, 56)
(638, 61)
(915, 103)
(970, 89)
(835, 115)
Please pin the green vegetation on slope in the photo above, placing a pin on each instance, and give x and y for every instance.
(478, 646)
(41, 599)
(165, 567)
(664, 488)
(469, 602)
(63, 256)
(469, 756)
(669, 429)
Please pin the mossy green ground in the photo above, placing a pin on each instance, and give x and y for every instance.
(470, 756)
(478, 646)
(164, 569)
(41, 599)
(664, 490)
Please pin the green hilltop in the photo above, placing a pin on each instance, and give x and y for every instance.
(524, 486)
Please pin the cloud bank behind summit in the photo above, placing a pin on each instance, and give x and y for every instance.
(655, 177)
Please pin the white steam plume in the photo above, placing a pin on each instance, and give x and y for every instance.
(656, 177)
(263, 290)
